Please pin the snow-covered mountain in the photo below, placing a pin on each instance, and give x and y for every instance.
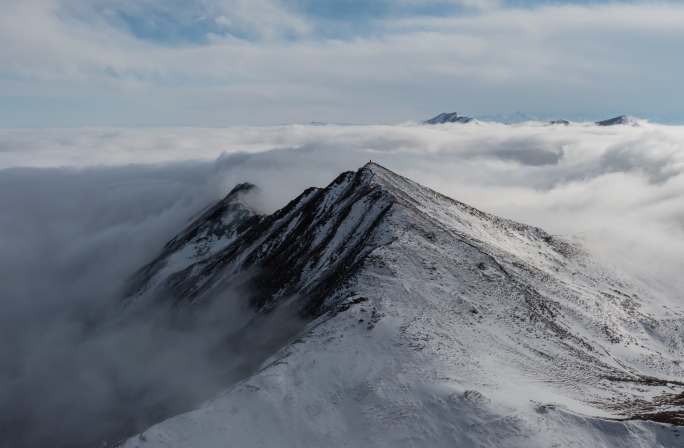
(621, 120)
(427, 323)
(520, 117)
(511, 119)
(449, 117)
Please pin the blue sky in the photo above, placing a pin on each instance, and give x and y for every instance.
(234, 62)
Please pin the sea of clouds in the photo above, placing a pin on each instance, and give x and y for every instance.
(82, 209)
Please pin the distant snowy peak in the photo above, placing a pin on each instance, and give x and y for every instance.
(521, 118)
(449, 117)
(625, 120)
(509, 119)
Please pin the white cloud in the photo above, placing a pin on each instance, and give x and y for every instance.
(580, 179)
(82, 214)
(565, 60)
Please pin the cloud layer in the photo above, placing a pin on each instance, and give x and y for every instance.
(83, 209)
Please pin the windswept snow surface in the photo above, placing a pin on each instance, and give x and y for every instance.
(434, 324)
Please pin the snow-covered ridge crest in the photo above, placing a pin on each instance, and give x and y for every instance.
(209, 232)
(449, 117)
(322, 230)
(431, 323)
(307, 247)
(625, 120)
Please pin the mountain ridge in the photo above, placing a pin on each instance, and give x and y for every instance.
(398, 281)
(370, 181)
(449, 117)
(626, 120)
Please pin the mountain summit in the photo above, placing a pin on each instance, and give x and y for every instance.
(427, 323)
(449, 117)
(621, 120)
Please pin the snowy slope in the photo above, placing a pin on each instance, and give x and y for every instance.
(449, 117)
(212, 231)
(430, 324)
(621, 120)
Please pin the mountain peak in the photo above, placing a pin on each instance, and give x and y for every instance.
(317, 241)
(620, 120)
(415, 301)
(242, 188)
(449, 117)
(371, 175)
(375, 169)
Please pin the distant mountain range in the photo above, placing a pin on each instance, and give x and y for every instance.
(520, 117)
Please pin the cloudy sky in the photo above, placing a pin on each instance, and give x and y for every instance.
(234, 62)
(159, 98)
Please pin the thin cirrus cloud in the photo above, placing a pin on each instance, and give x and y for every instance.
(218, 62)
